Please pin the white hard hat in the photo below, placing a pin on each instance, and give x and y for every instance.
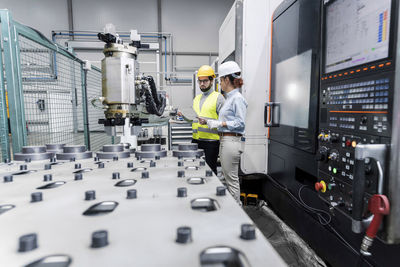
(229, 67)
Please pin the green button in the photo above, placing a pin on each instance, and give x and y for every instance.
(334, 170)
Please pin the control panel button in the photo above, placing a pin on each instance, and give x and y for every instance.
(331, 186)
(333, 156)
(364, 119)
(321, 186)
(353, 144)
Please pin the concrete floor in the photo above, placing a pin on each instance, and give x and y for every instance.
(286, 242)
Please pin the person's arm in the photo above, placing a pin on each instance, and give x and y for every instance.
(220, 102)
(187, 119)
(238, 122)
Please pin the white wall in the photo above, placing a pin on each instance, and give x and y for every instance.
(124, 14)
(194, 25)
(43, 15)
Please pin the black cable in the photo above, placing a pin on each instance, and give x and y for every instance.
(310, 210)
(321, 219)
(153, 90)
(155, 104)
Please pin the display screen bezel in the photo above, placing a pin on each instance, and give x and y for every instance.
(393, 27)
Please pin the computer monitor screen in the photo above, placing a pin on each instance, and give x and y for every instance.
(357, 32)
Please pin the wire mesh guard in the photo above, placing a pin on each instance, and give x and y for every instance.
(52, 92)
(98, 137)
(50, 84)
(3, 110)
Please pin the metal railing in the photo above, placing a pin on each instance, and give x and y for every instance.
(49, 92)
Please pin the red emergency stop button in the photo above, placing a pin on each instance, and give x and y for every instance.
(348, 142)
(321, 186)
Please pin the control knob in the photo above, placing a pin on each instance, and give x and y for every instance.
(322, 154)
(333, 156)
(321, 186)
(364, 119)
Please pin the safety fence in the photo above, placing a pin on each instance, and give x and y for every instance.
(49, 91)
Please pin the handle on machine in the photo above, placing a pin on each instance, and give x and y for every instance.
(358, 190)
(362, 152)
(272, 114)
(379, 206)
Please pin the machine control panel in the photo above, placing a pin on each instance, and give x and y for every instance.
(359, 106)
(336, 157)
(353, 111)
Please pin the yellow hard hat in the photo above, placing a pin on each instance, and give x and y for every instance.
(205, 71)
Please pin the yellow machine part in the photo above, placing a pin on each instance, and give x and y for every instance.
(8, 110)
(243, 198)
(252, 199)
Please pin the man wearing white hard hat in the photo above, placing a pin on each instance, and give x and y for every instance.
(231, 125)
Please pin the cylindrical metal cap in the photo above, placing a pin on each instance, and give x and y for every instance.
(115, 175)
(23, 167)
(90, 195)
(113, 148)
(188, 147)
(99, 239)
(47, 177)
(131, 194)
(36, 197)
(54, 146)
(209, 173)
(8, 178)
(182, 192)
(248, 231)
(221, 190)
(27, 242)
(145, 174)
(184, 235)
(33, 149)
(78, 176)
(181, 174)
(150, 147)
(74, 149)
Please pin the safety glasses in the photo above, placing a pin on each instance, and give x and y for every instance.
(203, 81)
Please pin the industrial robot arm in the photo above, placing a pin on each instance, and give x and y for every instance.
(127, 97)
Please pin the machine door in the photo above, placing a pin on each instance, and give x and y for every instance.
(292, 110)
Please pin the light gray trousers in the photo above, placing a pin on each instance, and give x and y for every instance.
(230, 149)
